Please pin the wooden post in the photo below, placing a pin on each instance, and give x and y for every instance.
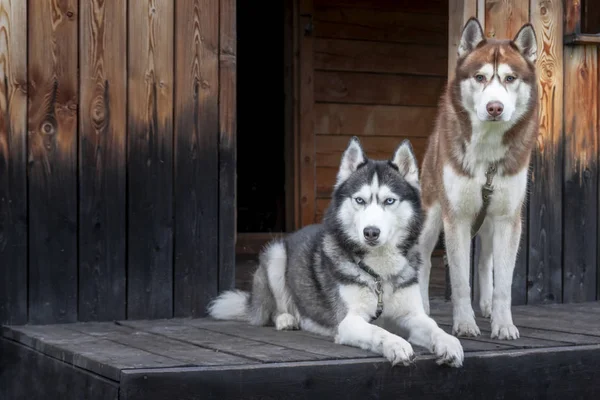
(13, 156)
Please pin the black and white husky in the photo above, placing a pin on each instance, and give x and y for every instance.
(356, 272)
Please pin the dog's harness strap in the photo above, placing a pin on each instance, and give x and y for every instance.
(378, 287)
(486, 196)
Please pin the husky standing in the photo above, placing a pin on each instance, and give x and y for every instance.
(474, 173)
(357, 268)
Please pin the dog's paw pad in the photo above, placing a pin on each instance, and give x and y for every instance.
(504, 332)
(285, 322)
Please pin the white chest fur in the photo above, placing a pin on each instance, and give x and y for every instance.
(464, 193)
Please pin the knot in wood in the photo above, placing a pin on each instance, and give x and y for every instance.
(98, 112)
(543, 10)
(48, 128)
(70, 14)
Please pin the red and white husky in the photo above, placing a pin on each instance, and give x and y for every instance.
(486, 127)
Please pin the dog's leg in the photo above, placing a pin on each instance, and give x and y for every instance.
(427, 241)
(356, 331)
(486, 283)
(457, 235)
(275, 259)
(403, 308)
(507, 233)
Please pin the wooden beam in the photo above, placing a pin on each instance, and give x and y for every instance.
(545, 218)
(580, 201)
(13, 159)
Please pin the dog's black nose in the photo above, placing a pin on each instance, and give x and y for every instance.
(371, 233)
(495, 108)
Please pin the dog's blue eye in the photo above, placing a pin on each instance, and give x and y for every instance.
(359, 200)
(509, 78)
(479, 78)
(390, 201)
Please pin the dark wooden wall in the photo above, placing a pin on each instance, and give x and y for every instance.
(117, 158)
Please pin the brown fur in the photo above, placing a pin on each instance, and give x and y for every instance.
(452, 131)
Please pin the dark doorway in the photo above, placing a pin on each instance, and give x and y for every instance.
(260, 122)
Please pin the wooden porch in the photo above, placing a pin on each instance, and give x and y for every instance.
(557, 356)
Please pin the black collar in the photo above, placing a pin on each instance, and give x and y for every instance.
(378, 287)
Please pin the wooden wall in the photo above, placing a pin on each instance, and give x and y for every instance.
(117, 158)
(379, 69)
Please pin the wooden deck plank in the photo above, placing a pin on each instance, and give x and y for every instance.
(100, 356)
(252, 349)
(288, 339)
(156, 344)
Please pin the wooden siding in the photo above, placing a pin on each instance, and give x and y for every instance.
(117, 158)
(379, 70)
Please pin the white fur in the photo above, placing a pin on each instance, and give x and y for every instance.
(276, 264)
(231, 305)
(430, 233)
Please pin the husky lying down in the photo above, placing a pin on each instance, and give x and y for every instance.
(357, 269)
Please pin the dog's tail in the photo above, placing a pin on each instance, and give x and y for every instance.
(256, 307)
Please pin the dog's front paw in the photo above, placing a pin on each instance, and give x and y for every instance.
(486, 308)
(465, 328)
(504, 331)
(286, 322)
(448, 350)
(398, 350)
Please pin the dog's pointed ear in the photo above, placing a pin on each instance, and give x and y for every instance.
(471, 36)
(526, 42)
(406, 162)
(353, 156)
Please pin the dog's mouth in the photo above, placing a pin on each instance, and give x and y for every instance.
(372, 243)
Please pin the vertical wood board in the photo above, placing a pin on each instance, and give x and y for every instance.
(580, 239)
(13, 156)
(196, 155)
(52, 163)
(102, 163)
(545, 217)
(227, 143)
(150, 159)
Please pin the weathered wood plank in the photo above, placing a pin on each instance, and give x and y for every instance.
(287, 339)
(504, 18)
(13, 156)
(364, 88)
(459, 13)
(150, 159)
(545, 218)
(580, 195)
(331, 147)
(102, 164)
(376, 120)
(52, 176)
(27, 374)
(306, 147)
(365, 56)
(431, 7)
(103, 357)
(376, 379)
(196, 272)
(259, 351)
(227, 143)
(382, 26)
(184, 352)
